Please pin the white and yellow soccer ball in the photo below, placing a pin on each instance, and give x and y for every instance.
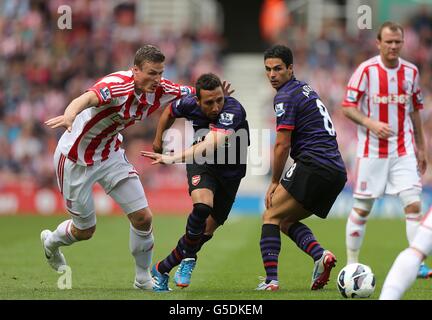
(356, 280)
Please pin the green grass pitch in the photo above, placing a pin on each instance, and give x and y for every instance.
(228, 266)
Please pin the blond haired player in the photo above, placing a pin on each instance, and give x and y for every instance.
(89, 152)
(384, 99)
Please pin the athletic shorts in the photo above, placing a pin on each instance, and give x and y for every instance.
(313, 186)
(378, 176)
(224, 190)
(76, 185)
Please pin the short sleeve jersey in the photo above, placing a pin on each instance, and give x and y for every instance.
(298, 108)
(231, 161)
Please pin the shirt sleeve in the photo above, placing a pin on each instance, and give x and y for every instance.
(172, 91)
(103, 91)
(417, 97)
(182, 108)
(356, 87)
(285, 113)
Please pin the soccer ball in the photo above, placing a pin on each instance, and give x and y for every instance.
(356, 280)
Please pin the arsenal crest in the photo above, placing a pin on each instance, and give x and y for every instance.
(195, 180)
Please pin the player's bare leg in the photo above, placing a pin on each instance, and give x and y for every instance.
(129, 195)
(284, 213)
(65, 234)
(413, 217)
(303, 237)
(194, 237)
(324, 259)
(183, 274)
(141, 242)
(282, 205)
(356, 228)
(404, 270)
(402, 274)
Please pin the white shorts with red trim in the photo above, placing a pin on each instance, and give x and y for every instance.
(76, 185)
(378, 176)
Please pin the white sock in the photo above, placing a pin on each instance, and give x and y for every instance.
(141, 246)
(401, 275)
(355, 231)
(412, 223)
(62, 236)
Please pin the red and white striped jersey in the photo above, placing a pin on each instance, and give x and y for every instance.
(386, 95)
(95, 131)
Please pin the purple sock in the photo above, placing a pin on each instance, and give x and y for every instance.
(305, 240)
(270, 247)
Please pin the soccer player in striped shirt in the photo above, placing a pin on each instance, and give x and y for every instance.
(384, 99)
(90, 152)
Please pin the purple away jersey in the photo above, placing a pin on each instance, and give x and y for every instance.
(298, 108)
(232, 163)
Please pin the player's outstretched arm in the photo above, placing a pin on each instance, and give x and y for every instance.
(213, 140)
(77, 105)
(165, 122)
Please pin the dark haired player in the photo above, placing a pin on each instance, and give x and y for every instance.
(221, 130)
(312, 183)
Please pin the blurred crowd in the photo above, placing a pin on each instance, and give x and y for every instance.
(328, 63)
(43, 67)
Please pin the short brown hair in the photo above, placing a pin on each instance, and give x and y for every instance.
(148, 53)
(279, 51)
(207, 81)
(393, 26)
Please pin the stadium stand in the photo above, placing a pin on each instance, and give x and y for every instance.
(42, 68)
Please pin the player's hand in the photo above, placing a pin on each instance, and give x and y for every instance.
(226, 86)
(60, 121)
(157, 157)
(421, 161)
(269, 195)
(157, 146)
(380, 129)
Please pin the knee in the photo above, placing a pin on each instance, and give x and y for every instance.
(141, 219)
(85, 234)
(363, 206)
(197, 220)
(269, 217)
(411, 200)
(413, 208)
(202, 210)
(285, 225)
(361, 212)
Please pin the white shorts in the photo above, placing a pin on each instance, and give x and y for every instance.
(377, 176)
(76, 185)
